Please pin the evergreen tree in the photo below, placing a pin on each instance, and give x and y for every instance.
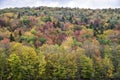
(11, 38)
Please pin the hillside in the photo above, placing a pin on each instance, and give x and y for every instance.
(45, 43)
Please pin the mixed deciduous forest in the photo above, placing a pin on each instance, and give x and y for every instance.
(44, 43)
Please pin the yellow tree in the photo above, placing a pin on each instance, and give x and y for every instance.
(107, 68)
(24, 62)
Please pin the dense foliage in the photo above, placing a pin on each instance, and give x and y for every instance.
(46, 43)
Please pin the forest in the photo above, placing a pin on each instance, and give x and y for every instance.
(46, 43)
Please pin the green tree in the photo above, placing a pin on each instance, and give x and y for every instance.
(15, 64)
(23, 61)
(42, 40)
(11, 38)
(85, 69)
(97, 64)
(41, 66)
(107, 68)
(86, 66)
(4, 66)
(116, 61)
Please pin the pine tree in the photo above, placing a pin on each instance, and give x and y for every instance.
(11, 38)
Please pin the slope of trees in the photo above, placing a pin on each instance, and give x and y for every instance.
(46, 43)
